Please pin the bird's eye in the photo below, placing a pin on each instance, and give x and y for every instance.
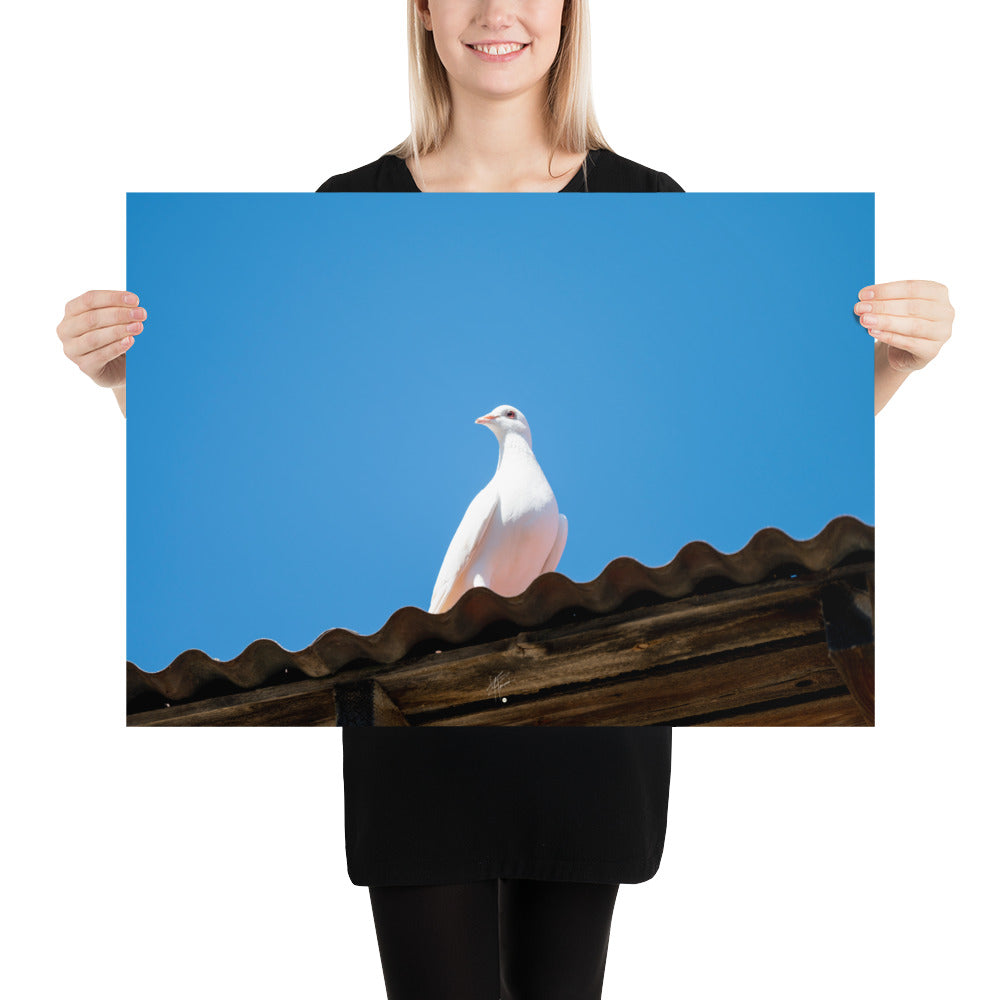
(511, 414)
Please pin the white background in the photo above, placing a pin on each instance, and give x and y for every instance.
(812, 863)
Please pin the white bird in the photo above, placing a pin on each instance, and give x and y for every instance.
(513, 531)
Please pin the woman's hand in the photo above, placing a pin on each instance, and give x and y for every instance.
(96, 331)
(912, 318)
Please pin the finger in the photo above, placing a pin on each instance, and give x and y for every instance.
(917, 346)
(929, 309)
(97, 319)
(87, 343)
(96, 299)
(93, 362)
(905, 290)
(908, 326)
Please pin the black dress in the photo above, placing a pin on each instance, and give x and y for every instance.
(443, 805)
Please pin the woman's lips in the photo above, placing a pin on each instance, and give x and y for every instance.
(497, 51)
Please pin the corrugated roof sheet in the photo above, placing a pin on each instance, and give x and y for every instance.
(481, 615)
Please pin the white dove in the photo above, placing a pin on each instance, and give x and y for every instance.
(512, 531)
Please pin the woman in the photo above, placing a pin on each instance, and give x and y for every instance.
(494, 857)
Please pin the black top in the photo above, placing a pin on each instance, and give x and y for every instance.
(605, 171)
(443, 805)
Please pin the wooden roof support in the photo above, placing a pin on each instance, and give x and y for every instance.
(792, 651)
(850, 638)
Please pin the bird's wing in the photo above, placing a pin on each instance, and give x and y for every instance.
(557, 549)
(464, 547)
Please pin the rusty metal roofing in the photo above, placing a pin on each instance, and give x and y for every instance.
(482, 616)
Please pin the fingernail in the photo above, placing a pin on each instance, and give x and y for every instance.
(134, 327)
(129, 299)
(863, 307)
(868, 320)
(137, 314)
(866, 293)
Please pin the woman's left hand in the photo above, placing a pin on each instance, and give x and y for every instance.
(912, 318)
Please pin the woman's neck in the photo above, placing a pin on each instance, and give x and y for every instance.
(496, 144)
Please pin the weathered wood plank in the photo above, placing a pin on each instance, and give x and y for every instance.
(607, 647)
(666, 694)
(835, 711)
(289, 705)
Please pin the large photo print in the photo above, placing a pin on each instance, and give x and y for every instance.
(558, 461)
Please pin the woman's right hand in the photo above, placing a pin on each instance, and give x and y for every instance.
(97, 330)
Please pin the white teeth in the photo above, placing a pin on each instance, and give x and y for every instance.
(499, 50)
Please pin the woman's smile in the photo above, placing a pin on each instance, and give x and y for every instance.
(497, 51)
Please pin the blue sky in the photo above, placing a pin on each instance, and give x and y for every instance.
(301, 444)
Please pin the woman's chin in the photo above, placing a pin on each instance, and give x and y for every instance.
(498, 86)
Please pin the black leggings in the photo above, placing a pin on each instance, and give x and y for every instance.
(515, 939)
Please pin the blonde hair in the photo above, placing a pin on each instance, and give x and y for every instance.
(571, 120)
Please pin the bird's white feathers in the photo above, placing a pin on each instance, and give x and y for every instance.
(464, 548)
(557, 550)
(512, 531)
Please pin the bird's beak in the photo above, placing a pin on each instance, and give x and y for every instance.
(485, 419)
